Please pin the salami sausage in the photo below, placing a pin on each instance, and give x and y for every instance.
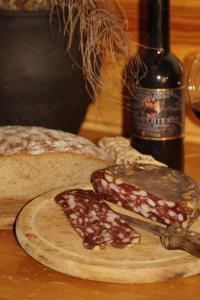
(97, 224)
(159, 193)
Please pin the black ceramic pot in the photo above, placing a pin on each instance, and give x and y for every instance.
(39, 83)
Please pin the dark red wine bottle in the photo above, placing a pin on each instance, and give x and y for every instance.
(157, 96)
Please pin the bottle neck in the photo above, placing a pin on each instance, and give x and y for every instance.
(158, 24)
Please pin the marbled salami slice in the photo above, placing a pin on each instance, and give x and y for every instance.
(97, 224)
(159, 193)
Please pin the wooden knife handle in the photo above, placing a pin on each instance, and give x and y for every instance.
(183, 239)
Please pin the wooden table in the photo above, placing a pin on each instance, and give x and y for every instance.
(23, 278)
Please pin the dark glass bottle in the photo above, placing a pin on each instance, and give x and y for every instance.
(157, 96)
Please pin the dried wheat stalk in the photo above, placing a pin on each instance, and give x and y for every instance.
(102, 33)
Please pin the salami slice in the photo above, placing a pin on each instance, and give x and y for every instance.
(97, 224)
(159, 193)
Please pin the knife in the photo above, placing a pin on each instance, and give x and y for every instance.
(172, 237)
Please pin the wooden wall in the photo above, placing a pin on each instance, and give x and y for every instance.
(106, 113)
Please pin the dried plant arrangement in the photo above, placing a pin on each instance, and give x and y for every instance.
(103, 33)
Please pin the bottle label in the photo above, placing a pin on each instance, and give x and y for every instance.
(158, 113)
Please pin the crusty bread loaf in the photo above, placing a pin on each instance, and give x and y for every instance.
(34, 160)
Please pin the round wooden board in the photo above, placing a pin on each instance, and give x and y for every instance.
(44, 233)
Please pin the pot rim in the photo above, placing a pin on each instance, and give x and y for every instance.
(24, 13)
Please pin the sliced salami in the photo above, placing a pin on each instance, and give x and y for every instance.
(159, 193)
(97, 224)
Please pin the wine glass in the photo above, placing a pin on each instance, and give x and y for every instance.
(194, 85)
(192, 158)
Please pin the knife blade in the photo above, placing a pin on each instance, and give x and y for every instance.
(172, 237)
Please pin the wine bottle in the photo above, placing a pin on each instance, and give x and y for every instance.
(157, 96)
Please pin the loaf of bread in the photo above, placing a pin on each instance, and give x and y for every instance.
(34, 160)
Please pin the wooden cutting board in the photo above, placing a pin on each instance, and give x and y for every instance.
(45, 234)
